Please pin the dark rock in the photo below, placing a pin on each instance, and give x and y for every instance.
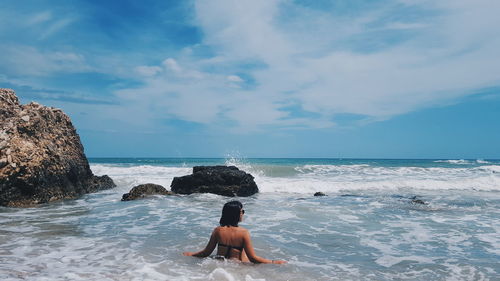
(42, 158)
(145, 190)
(415, 200)
(222, 180)
(418, 201)
(319, 194)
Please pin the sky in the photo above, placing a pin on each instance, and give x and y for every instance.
(262, 78)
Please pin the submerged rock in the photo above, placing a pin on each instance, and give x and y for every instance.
(222, 180)
(145, 190)
(418, 201)
(41, 156)
(415, 200)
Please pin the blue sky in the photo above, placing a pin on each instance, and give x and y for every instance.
(263, 78)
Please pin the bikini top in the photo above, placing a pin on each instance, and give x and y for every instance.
(229, 247)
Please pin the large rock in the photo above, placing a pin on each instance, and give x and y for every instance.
(222, 180)
(145, 190)
(41, 156)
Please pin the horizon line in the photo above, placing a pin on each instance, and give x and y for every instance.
(336, 158)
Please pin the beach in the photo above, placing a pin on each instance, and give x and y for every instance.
(381, 220)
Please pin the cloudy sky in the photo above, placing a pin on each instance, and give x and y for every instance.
(263, 78)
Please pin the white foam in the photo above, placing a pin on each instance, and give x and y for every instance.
(220, 274)
(249, 278)
(493, 239)
(388, 261)
(456, 162)
(135, 175)
(491, 168)
(328, 178)
(415, 231)
(349, 218)
(320, 237)
(464, 272)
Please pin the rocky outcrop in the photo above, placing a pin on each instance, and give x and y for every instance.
(41, 156)
(415, 200)
(319, 193)
(222, 180)
(145, 190)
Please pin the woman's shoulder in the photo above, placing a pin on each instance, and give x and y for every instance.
(242, 229)
(218, 229)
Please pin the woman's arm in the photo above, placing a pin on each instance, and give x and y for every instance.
(251, 252)
(208, 249)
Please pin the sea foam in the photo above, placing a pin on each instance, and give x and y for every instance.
(326, 178)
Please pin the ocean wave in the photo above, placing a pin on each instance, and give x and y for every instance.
(384, 236)
(128, 176)
(325, 178)
(456, 162)
(464, 162)
(364, 177)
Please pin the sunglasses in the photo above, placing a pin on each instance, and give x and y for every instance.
(242, 211)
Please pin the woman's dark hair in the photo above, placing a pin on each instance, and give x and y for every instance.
(231, 213)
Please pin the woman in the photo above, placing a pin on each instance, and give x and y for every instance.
(233, 241)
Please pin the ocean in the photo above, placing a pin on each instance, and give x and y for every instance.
(381, 220)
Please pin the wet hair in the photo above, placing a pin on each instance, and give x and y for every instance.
(231, 213)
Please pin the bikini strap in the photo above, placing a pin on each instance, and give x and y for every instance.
(229, 248)
(228, 252)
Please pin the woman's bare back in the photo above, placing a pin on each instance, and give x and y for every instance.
(230, 238)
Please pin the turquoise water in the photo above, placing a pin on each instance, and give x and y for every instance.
(367, 228)
(175, 162)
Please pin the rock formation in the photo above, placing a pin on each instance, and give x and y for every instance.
(222, 180)
(319, 193)
(145, 190)
(415, 200)
(41, 156)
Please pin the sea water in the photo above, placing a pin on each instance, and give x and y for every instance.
(370, 225)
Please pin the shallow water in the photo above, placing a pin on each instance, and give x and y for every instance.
(365, 231)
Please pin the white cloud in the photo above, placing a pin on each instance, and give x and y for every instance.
(26, 60)
(172, 65)
(327, 63)
(234, 78)
(243, 28)
(148, 70)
